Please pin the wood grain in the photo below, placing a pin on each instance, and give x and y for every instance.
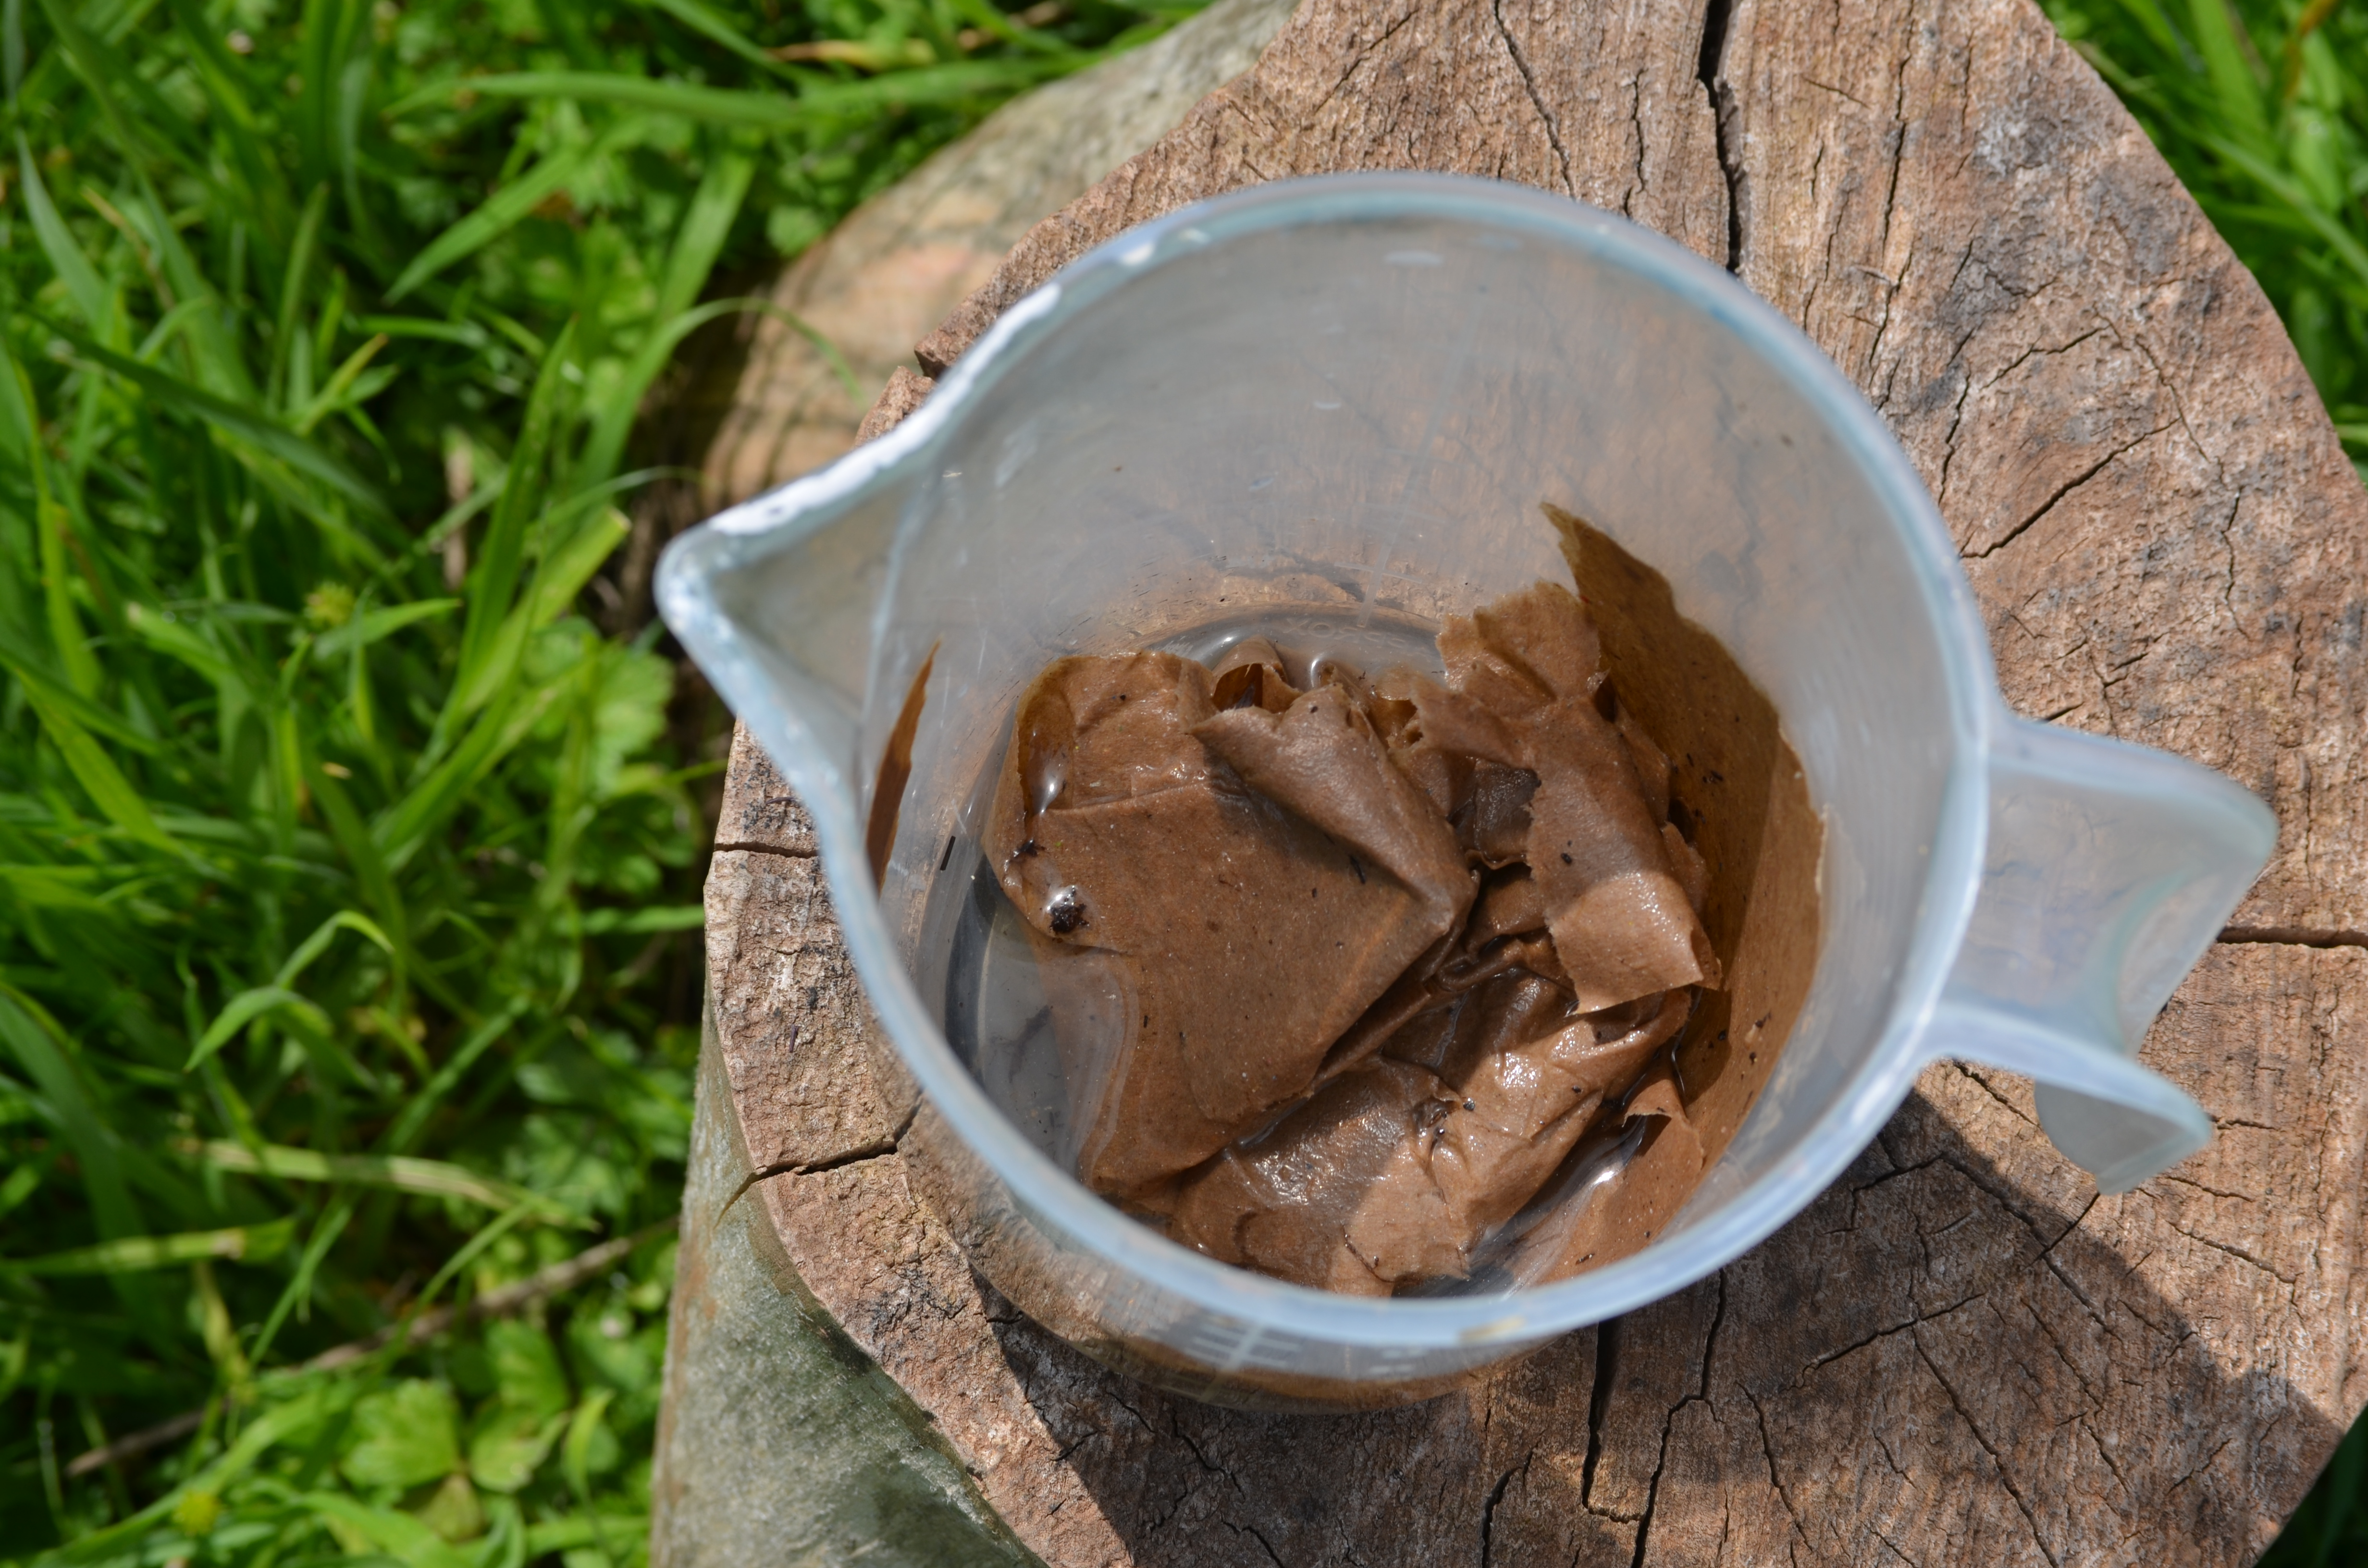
(789, 1015)
(1960, 1352)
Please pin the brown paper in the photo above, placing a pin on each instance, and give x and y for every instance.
(1617, 1217)
(1371, 1089)
(1738, 788)
(1251, 939)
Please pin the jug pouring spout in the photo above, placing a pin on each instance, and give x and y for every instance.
(778, 598)
(2108, 870)
(783, 600)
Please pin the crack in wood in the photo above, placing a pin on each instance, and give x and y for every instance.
(1546, 115)
(878, 1148)
(2047, 1331)
(2004, 1478)
(1899, 142)
(1669, 1426)
(2006, 1105)
(2291, 937)
(2060, 492)
(2236, 1251)
(872, 1149)
(755, 846)
(1723, 106)
(1598, 1400)
(1768, 1452)
(1176, 1429)
(1488, 1511)
(1266, 1545)
(1710, 1339)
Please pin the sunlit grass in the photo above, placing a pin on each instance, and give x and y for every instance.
(350, 825)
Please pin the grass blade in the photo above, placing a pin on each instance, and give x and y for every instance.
(93, 300)
(256, 1002)
(360, 849)
(512, 202)
(2289, 191)
(710, 25)
(326, 1231)
(715, 106)
(240, 424)
(645, 921)
(132, 1255)
(499, 728)
(19, 661)
(31, 1040)
(318, 943)
(265, 1432)
(557, 580)
(566, 569)
(575, 1457)
(431, 1178)
(330, 397)
(705, 226)
(176, 640)
(104, 73)
(413, 1122)
(495, 580)
(20, 419)
(721, 106)
(375, 625)
(97, 773)
(1010, 29)
(291, 292)
(604, 448)
(2236, 92)
(399, 1536)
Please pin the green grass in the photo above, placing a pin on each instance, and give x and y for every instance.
(351, 817)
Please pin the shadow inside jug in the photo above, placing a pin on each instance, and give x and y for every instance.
(1737, 790)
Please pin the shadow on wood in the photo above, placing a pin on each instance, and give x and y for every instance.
(1960, 1351)
(1843, 1393)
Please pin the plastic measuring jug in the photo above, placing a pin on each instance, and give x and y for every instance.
(1346, 398)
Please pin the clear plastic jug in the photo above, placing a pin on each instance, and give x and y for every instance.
(1347, 397)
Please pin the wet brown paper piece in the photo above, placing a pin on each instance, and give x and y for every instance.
(1740, 783)
(1405, 1170)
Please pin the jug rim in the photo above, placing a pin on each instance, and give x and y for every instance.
(1737, 1220)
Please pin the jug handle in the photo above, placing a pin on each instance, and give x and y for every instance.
(2108, 870)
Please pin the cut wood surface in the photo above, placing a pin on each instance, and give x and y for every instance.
(1960, 1353)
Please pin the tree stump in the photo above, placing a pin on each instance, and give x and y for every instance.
(1960, 1353)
